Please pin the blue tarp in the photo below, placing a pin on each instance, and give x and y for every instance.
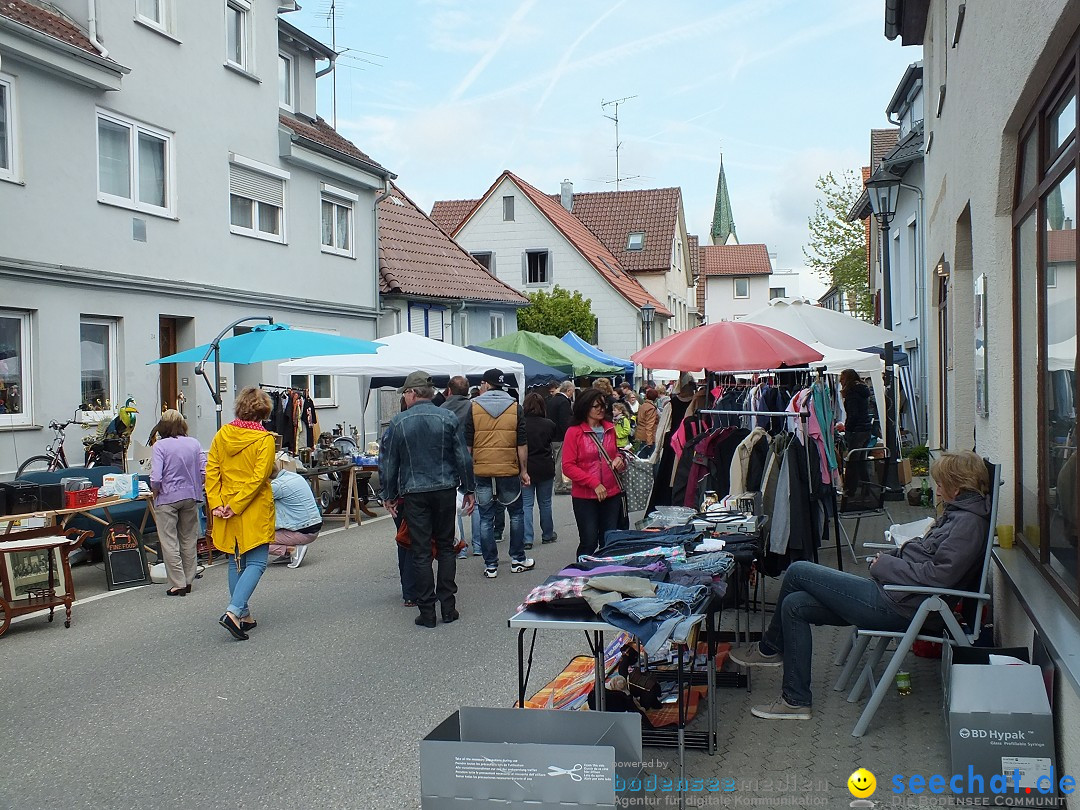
(574, 342)
(536, 373)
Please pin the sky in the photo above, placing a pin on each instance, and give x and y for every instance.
(449, 93)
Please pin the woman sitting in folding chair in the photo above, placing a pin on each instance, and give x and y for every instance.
(948, 556)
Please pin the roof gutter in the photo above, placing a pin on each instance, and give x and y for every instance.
(333, 63)
(92, 29)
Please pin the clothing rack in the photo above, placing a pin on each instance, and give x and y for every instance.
(283, 388)
(804, 417)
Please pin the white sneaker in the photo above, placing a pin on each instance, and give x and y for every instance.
(491, 573)
(520, 566)
(298, 554)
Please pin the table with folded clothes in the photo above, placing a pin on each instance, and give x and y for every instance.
(657, 591)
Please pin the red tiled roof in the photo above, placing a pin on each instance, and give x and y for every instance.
(882, 141)
(46, 21)
(322, 133)
(1061, 246)
(613, 215)
(588, 245)
(417, 258)
(734, 260)
(448, 214)
(695, 268)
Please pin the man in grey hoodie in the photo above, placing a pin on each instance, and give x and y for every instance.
(495, 435)
(950, 556)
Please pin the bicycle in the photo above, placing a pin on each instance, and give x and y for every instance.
(55, 458)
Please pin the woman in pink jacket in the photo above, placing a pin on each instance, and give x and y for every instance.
(597, 496)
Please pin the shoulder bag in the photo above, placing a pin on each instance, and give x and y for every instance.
(636, 480)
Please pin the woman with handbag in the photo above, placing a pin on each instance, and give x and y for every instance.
(591, 460)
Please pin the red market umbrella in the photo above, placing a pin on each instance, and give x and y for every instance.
(726, 346)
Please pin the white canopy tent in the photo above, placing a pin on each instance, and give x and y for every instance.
(399, 356)
(837, 336)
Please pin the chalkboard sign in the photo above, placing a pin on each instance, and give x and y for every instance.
(125, 557)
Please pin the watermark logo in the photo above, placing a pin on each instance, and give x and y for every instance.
(862, 784)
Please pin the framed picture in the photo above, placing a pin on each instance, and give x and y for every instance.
(982, 382)
(30, 570)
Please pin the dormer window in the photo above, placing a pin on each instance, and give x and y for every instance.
(636, 241)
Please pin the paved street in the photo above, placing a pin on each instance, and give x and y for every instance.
(146, 702)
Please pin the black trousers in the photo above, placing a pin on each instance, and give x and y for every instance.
(594, 519)
(432, 517)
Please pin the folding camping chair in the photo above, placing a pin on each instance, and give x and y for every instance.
(864, 490)
(939, 604)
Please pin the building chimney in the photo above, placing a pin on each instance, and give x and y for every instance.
(567, 195)
(1067, 225)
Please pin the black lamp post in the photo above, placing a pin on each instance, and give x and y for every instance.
(648, 312)
(883, 188)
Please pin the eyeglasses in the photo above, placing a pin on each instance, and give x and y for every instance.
(599, 405)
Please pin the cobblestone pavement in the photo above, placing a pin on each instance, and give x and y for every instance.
(146, 702)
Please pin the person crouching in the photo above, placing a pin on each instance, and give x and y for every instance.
(297, 522)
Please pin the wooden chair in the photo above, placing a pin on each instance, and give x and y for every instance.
(938, 604)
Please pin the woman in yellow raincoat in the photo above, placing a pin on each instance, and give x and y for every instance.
(238, 470)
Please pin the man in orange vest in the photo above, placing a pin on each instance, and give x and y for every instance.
(495, 434)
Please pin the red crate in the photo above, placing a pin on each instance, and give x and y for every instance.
(80, 497)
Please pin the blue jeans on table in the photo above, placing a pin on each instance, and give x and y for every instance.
(244, 575)
(540, 492)
(491, 495)
(813, 594)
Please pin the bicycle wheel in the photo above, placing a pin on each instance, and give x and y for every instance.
(39, 464)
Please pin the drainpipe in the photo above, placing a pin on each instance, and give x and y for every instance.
(920, 291)
(460, 313)
(92, 26)
(375, 244)
(333, 62)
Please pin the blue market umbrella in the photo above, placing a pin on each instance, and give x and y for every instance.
(274, 341)
(536, 373)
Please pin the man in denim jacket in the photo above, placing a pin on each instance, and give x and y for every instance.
(426, 462)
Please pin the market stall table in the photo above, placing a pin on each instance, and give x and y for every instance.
(35, 574)
(346, 490)
(60, 518)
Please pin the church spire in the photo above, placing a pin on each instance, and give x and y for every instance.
(723, 223)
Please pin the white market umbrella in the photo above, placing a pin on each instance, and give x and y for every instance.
(813, 324)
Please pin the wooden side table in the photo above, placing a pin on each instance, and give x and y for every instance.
(35, 574)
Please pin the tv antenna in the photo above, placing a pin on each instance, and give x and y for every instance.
(331, 16)
(618, 144)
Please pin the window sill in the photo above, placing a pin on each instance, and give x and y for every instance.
(329, 252)
(12, 428)
(273, 240)
(157, 30)
(130, 207)
(15, 181)
(242, 72)
(1054, 620)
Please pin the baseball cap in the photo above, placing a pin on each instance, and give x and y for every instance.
(416, 379)
(494, 378)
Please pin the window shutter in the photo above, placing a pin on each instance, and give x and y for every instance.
(435, 323)
(524, 268)
(255, 186)
(550, 267)
(417, 323)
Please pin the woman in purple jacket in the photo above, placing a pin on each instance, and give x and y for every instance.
(176, 477)
(949, 556)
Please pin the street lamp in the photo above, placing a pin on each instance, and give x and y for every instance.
(883, 188)
(648, 312)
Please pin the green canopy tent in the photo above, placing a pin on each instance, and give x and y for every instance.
(551, 351)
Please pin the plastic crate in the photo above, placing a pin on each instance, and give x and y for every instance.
(80, 497)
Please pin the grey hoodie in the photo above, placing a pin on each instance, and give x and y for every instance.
(949, 556)
(495, 402)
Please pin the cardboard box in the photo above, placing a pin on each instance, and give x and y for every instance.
(959, 656)
(1000, 721)
(549, 759)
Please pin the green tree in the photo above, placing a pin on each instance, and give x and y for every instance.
(837, 249)
(557, 313)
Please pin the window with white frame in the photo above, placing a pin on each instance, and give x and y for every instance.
(742, 286)
(256, 199)
(536, 267)
(238, 48)
(134, 165)
(508, 209)
(15, 368)
(97, 350)
(285, 81)
(154, 13)
(7, 128)
(320, 387)
(337, 220)
(496, 325)
(777, 292)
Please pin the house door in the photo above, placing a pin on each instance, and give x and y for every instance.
(167, 372)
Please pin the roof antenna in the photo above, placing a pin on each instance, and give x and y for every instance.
(332, 16)
(618, 143)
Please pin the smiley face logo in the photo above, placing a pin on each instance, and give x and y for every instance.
(862, 784)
